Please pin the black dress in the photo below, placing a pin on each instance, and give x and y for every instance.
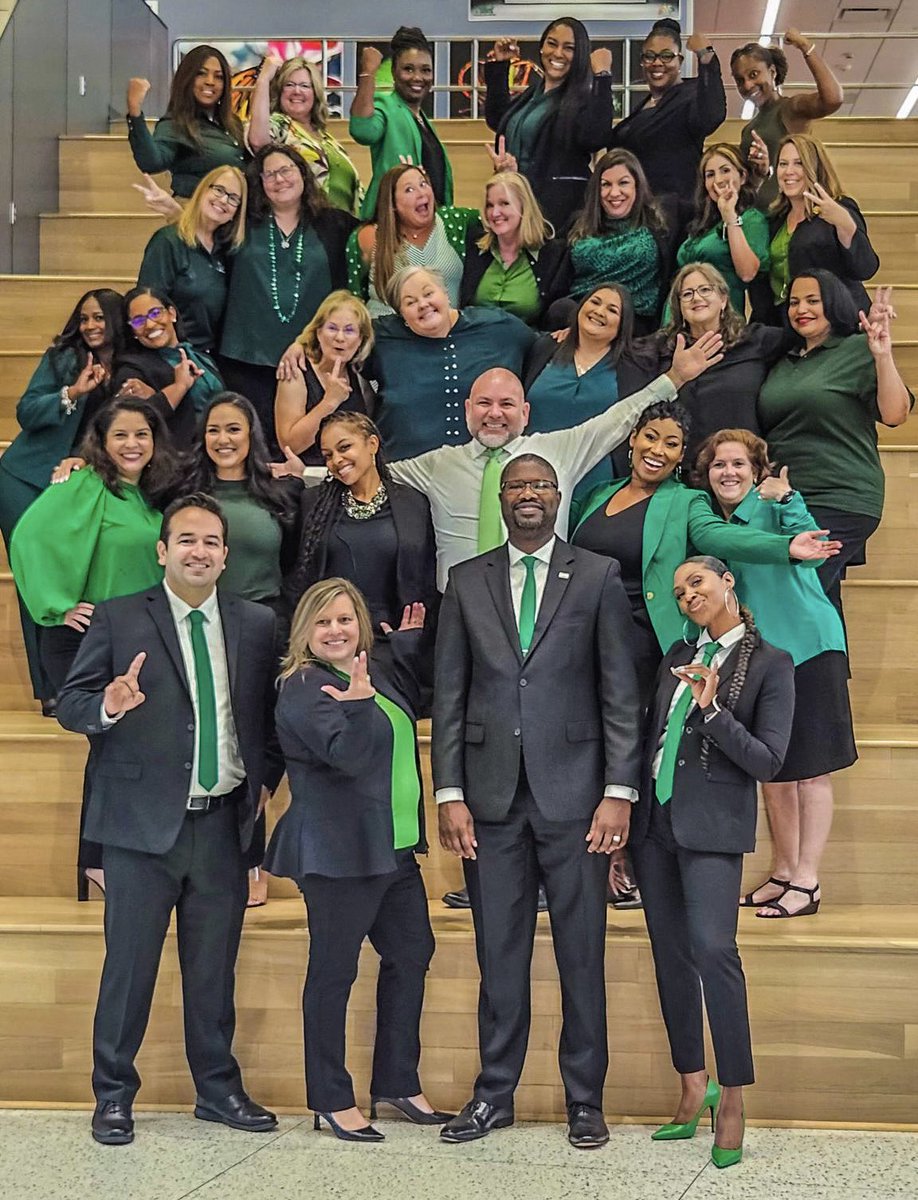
(365, 551)
(315, 391)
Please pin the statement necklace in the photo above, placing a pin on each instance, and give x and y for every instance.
(362, 511)
(274, 235)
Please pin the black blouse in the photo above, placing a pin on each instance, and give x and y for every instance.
(314, 393)
(366, 552)
(621, 537)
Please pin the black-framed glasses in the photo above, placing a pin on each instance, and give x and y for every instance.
(233, 199)
(152, 314)
(516, 487)
(663, 56)
(281, 173)
(705, 292)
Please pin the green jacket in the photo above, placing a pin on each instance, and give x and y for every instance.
(680, 522)
(392, 133)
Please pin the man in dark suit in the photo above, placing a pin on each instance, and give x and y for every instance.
(176, 691)
(535, 762)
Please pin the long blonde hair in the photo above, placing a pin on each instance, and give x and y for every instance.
(342, 298)
(535, 229)
(312, 603)
(817, 167)
(232, 234)
(319, 114)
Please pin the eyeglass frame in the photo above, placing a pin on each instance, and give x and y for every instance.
(518, 486)
(152, 314)
(704, 291)
(279, 173)
(233, 199)
(647, 57)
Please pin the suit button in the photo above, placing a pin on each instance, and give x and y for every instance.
(688, 729)
(681, 762)
(187, 766)
(516, 733)
(190, 727)
(650, 595)
(522, 683)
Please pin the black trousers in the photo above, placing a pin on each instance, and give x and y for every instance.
(503, 883)
(853, 530)
(391, 910)
(203, 878)
(690, 904)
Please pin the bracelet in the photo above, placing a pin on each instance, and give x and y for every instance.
(364, 74)
(68, 405)
(807, 53)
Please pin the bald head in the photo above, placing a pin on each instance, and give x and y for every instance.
(496, 411)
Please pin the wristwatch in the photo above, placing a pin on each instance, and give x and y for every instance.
(788, 496)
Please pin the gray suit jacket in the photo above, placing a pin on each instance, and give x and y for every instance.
(569, 707)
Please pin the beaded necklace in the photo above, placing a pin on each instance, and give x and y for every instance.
(298, 259)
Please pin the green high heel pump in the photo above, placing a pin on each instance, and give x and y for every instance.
(676, 1131)
(729, 1158)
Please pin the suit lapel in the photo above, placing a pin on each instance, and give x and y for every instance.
(497, 574)
(231, 620)
(655, 523)
(560, 572)
(162, 618)
(668, 687)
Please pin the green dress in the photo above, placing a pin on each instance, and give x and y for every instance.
(714, 248)
(79, 541)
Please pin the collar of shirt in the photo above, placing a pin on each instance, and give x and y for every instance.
(180, 609)
(543, 554)
(477, 450)
(833, 340)
(727, 642)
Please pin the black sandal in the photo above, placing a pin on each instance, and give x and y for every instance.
(808, 910)
(748, 902)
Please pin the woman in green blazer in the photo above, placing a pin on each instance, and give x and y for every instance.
(651, 522)
(70, 383)
(393, 125)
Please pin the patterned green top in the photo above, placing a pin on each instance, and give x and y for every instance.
(629, 256)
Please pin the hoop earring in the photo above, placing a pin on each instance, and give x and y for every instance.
(678, 472)
(630, 456)
(685, 624)
(730, 592)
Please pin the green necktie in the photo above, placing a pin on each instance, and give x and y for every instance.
(528, 603)
(207, 703)
(490, 522)
(674, 732)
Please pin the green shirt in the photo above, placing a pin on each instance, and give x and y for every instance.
(272, 296)
(193, 277)
(818, 413)
(166, 150)
(523, 128)
(714, 247)
(513, 288)
(779, 275)
(790, 606)
(79, 541)
(254, 540)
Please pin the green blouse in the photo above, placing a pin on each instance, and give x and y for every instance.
(165, 149)
(779, 274)
(523, 127)
(713, 247)
(512, 288)
(193, 277)
(79, 541)
(254, 540)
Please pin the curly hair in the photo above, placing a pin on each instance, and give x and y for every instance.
(771, 56)
(755, 447)
(645, 212)
(707, 214)
(313, 200)
(665, 410)
(163, 476)
(183, 109)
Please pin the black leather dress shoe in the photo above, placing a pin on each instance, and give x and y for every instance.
(476, 1121)
(586, 1127)
(461, 899)
(625, 900)
(112, 1124)
(238, 1111)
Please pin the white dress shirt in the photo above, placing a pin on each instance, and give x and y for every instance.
(730, 639)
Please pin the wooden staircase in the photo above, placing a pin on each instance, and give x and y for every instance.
(833, 999)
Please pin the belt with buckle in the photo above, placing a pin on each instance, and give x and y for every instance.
(206, 804)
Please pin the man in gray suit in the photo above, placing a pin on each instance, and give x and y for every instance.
(535, 764)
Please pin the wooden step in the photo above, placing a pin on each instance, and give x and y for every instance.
(839, 131)
(33, 308)
(107, 243)
(16, 369)
(882, 620)
(832, 1003)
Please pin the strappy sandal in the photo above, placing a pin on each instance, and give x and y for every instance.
(748, 902)
(808, 910)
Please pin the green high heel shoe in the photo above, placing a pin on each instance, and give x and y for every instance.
(676, 1131)
(728, 1158)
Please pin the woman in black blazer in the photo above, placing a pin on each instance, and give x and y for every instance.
(551, 131)
(695, 820)
(362, 525)
(349, 837)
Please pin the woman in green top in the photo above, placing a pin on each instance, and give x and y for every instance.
(349, 837)
(94, 538)
(292, 257)
(409, 230)
(393, 124)
(649, 522)
(728, 231)
(200, 131)
(289, 109)
(189, 258)
(68, 386)
(793, 613)
(818, 411)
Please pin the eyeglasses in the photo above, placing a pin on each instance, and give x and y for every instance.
(233, 199)
(292, 86)
(281, 173)
(515, 487)
(152, 314)
(663, 56)
(705, 292)
(347, 330)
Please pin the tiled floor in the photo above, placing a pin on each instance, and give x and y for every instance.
(50, 1156)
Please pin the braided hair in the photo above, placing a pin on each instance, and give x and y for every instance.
(750, 639)
(327, 507)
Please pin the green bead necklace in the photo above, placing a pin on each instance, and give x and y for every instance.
(298, 259)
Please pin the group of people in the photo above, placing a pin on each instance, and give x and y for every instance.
(346, 457)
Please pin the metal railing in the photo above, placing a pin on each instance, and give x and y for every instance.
(338, 59)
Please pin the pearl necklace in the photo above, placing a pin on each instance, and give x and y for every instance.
(361, 510)
(275, 235)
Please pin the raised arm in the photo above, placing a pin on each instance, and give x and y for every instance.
(709, 103)
(258, 133)
(370, 125)
(829, 94)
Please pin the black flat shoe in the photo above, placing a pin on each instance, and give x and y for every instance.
(238, 1112)
(113, 1124)
(414, 1114)
(625, 900)
(366, 1134)
(475, 1121)
(457, 899)
(586, 1127)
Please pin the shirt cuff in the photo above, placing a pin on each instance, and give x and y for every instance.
(664, 387)
(615, 791)
(107, 721)
(448, 794)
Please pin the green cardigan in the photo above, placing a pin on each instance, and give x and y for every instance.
(680, 522)
(392, 134)
(456, 222)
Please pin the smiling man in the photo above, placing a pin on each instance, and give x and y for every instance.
(176, 688)
(535, 766)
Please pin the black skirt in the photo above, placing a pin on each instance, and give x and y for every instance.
(822, 737)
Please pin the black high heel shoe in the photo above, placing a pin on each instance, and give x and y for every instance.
(83, 882)
(417, 1116)
(366, 1134)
